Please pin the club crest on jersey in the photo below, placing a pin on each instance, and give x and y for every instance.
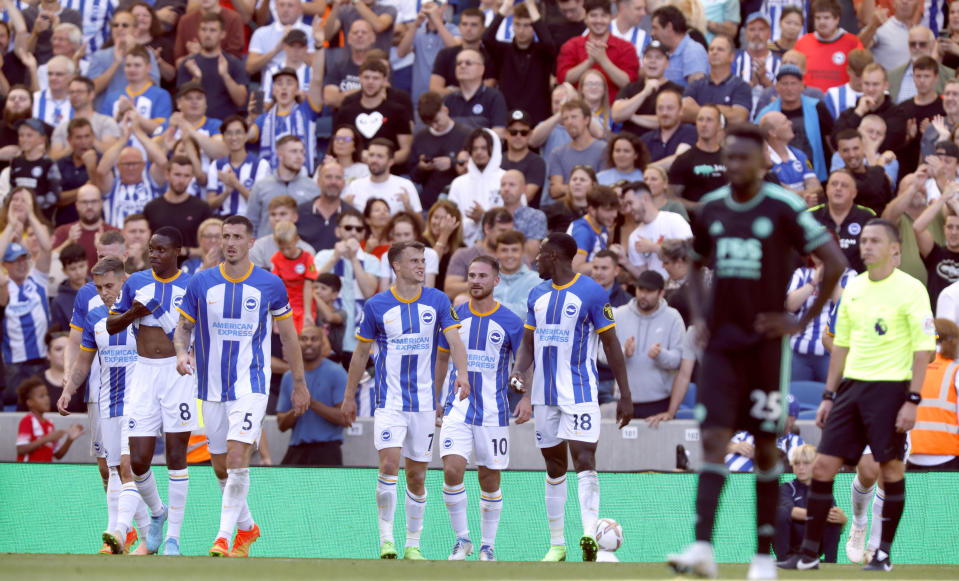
(299, 268)
(453, 314)
(177, 300)
(251, 304)
(385, 436)
(428, 317)
(495, 337)
(570, 310)
(608, 311)
(838, 58)
(132, 424)
(881, 326)
(447, 443)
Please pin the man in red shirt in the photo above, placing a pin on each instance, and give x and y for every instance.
(827, 47)
(600, 50)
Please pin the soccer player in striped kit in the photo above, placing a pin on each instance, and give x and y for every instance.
(492, 334)
(404, 323)
(569, 314)
(232, 309)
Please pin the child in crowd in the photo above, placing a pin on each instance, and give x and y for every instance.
(295, 267)
(37, 440)
(329, 316)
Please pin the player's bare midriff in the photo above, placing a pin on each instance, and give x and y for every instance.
(153, 343)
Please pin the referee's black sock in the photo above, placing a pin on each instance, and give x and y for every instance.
(892, 512)
(767, 498)
(711, 480)
(817, 510)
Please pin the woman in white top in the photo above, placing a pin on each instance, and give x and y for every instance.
(346, 147)
(404, 227)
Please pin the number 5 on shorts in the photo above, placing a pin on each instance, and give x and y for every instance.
(248, 421)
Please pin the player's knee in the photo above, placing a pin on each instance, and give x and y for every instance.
(452, 475)
(892, 471)
(139, 468)
(584, 460)
(868, 471)
(825, 467)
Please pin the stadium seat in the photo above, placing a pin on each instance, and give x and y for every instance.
(689, 402)
(809, 393)
(807, 415)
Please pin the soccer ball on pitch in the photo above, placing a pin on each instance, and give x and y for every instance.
(609, 534)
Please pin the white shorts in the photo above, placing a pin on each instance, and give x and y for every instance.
(412, 431)
(96, 435)
(114, 444)
(554, 424)
(491, 443)
(239, 420)
(160, 397)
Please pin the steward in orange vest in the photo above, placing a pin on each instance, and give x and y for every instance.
(935, 438)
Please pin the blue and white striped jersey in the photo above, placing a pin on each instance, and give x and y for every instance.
(405, 335)
(838, 99)
(635, 36)
(86, 300)
(152, 102)
(738, 463)
(160, 295)
(116, 355)
(234, 320)
(26, 319)
(566, 321)
(773, 9)
(304, 74)
(251, 169)
(590, 239)
(126, 199)
(809, 340)
(491, 341)
(207, 127)
(96, 20)
(51, 111)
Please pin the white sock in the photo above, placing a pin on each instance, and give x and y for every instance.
(234, 498)
(875, 530)
(176, 494)
(588, 487)
(245, 521)
(126, 506)
(113, 498)
(491, 505)
(147, 485)
(455, 498)
(555, 509)
(860, 503)
(386, 505)
(142, 517)
(415, 507)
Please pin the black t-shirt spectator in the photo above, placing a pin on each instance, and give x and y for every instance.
(486, 108)
(562, 30)
(43, 49)
(342, 72)
(533, 167)
(445, 64)
(71, 177)
(389, 119)
(524, 73)
(219, 105)
(873, 189)
(431, 146)
(908, 152)
(801, 141)
(648, 107)
(42, 176)
(185, 216)
(316, 230)
(14, 69)
(699, 172)
(848, 232)
(398, 96)
(942, 265)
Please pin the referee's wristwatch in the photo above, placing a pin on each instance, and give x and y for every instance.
(914, 398)
(828, 395)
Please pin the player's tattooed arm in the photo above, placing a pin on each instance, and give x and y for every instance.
(181, 342)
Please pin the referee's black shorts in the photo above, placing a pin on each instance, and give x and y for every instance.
(865, 414)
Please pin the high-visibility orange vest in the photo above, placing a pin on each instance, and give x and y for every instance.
(937, 424)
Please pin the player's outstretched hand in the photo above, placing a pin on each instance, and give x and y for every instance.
(906, 418)
(348, 411)
(62, 404)
(517, 382)
(624, 412)
(775, 325)
(523, 411)
(463, 387)
(823, 412)
(184, 366)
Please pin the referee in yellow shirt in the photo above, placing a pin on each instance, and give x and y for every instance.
(885, 338)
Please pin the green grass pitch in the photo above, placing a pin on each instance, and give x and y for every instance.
(101, 567)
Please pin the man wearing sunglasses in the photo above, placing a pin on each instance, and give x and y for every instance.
(518, 156)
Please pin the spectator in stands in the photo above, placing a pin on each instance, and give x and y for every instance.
(520, 157)
(570, 23)
(529, 221)
(209, 237)
(902, 211)
(376, 116)
(941, 260)
(23, 346)
(594, 92)
(41, 19)
(671, 137)
(406, 227)
(635, 105)
(425, 38)
(296, 269)
(75, 169)
(87, 228)
(919, 111)
(613, 57)
(842, 216)
(886, 38)
(875, 101)
(190, 122)
(687, 58)
(287, 117)
(37, 439)
(873, 131)
(105, 64)
(495, 222)
(66, 40)
(317, 219)
(478, 189)
(444, 232)
(52, 103)
(657, 180)
(606, 272)
(941, 128)
(654, 226)
(434, 149)
(266, 44)
(523, 64)
(591, 232)
(346, 148)
(380, 16)
(791, 514)
(297, 58)
(358, 272)
(584, 149)
(230, 179)
(473, 103)
(444, 79)
(843, 97)
(789, 164)
(343, 77)
(399, 193)
(573, 205)
(756, 63)
(377, 216)
(189, 31)
(516, 280)
(222, 75)
(287, 179)
(825, 69)
(626, 158)
(52, 376)
(73, 260)
(788, 29)
(941, 169)
(329, 317)
(632, 24)
(136, 234)
(651, 333)
(676, 261)
(811, 121)
(720, 87)
(17, 107)
(318, 434)
(722, 19)
(105, 130)
(901, 83)
(282, 208)
(872, 183)
(700, 169)
(34, 169)
(177, 208)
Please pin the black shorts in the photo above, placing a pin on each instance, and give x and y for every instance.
(865, 414)
(744, 389)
